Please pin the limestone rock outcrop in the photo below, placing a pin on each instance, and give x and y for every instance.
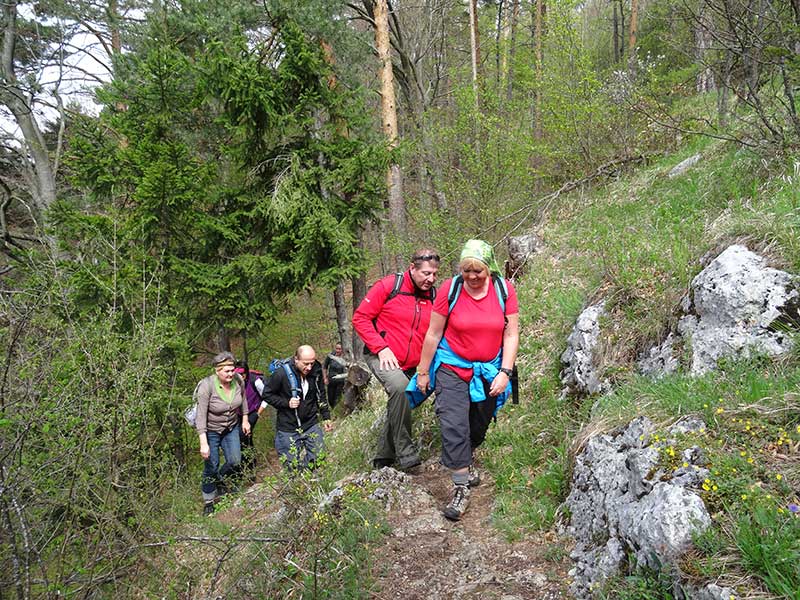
(737, 307)
(579, 374)
(623, 502)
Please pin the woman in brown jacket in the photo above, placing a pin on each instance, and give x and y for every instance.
(221, 403)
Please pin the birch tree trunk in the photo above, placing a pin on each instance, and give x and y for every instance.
(475, 47)
(394, 177)
(703, 39)
(13, 96)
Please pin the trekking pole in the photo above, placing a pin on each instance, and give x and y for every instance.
(297, 416)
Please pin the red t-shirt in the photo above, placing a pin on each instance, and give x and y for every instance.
(475, 327)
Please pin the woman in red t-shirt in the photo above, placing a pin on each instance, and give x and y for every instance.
(473, 348)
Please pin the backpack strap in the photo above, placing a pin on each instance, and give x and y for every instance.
(293, 383)
(398, 282)
(455, 291)
(498, 283)
(501, 289)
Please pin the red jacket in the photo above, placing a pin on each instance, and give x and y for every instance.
(400, 323)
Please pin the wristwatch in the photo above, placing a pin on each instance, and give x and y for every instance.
(508, 372)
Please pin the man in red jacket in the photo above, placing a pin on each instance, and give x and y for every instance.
(392, 321)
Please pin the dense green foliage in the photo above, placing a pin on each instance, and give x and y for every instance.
(229, 171)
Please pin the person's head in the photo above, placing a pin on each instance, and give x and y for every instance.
(337, 349)
(224, 365)
(477, 256)
(424, 267)
(304, 358)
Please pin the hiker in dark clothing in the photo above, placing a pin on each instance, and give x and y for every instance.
(297, 392)
(333, 371)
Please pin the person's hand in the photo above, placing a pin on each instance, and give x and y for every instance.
(325, 379)
(327, 425)
(205, 451)
(294, 402)
(388, 360)
(499, 384)
(246, 426)
(423, 381)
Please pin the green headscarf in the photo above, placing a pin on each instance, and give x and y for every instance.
(483, 252)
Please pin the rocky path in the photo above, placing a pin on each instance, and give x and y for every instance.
(428, 557)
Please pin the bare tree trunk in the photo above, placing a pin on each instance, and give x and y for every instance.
(632, 34)
(475, 47)
(615, 24)
(500, 36)
(703, 38)
(12, 95)
(112, 13)
(343, 321)
(223, 339)
(512, 50)
(539, 28)
(723, 97)
(621, 28)
(394, 177)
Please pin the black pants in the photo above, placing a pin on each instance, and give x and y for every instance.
(463, 423)
(335, 392)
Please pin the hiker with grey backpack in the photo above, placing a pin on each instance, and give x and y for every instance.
(468, 358)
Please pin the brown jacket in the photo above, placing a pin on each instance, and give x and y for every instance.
(213, 413)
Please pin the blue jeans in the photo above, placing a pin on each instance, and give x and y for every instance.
(290, 445)
(228, 442)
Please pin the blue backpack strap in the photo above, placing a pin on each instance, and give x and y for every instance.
(501, 289)
(296, 389)
(455, 291)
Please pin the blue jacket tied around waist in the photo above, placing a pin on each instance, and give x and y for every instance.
(480, 371)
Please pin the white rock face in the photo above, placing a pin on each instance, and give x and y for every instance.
(734, 303)
(621, 503)
(684, 166)
(579, 374)
(735, 309)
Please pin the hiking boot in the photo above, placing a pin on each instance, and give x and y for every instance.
(474, 477)
(208, 509)
(379, 463)
(458, 505)
(409, 463)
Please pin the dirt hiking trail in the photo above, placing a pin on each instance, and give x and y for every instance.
(428, 557)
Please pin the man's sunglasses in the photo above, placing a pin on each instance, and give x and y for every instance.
(426, 257)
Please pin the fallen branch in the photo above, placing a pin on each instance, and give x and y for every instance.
(201, 538)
